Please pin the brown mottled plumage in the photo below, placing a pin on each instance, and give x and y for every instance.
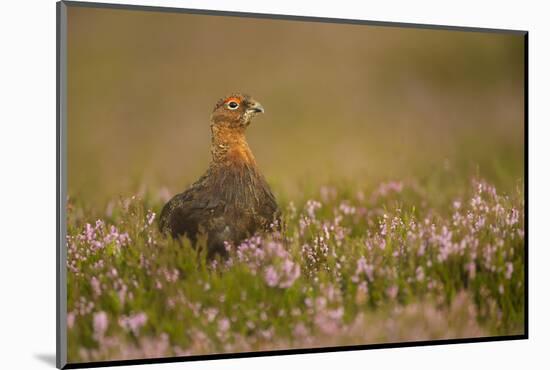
(232, 200)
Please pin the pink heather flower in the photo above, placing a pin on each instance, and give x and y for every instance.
(121, 292)
(300, 330)
(96, 286)
(383, 226)
(513, 217)
(445, 243)
(303, 222)
(475, 202)
(336, 314)
(395, 222)
(321, 302)
(291, 272)
(480, 222)
(311, 207)
(396, 186)
(100, 324)
(327, 320)
(498, 209)
(89, 233)
(70, 319)
(392, 291)
(509, 270)
(363, 268)
(471, 267)
(271, 276)
(96, 237)
(150, 217)
(133, 322)
(385, 188)
(347, 209)
(421, 249)
(223, 325)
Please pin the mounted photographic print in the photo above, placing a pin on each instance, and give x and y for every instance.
(235, 184)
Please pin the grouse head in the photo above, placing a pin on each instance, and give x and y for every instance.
(235, 111)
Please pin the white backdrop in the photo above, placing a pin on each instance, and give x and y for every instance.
(27, 152)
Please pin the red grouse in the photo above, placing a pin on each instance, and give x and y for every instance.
(232, 200)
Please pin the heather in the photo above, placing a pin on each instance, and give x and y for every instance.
(352, 265)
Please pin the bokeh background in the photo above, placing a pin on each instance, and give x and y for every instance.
(343, 102)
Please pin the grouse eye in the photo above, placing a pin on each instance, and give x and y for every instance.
(233, 105)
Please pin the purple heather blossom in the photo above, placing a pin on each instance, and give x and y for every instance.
(133, 323)
(363, 269)
(290, 272)
(96, 286)
(300, 330)
(471, 268)
(311, 207)
(385, 189)
(509, 270)
(513, 217)
(223, 325)
(379, 248)
(392, 291)
(100, 325)
(271, 276)
(70, 319)
(150, 217)
(346, 208)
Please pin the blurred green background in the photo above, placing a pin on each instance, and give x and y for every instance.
(343, 102)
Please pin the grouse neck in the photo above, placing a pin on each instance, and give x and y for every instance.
(229, 146)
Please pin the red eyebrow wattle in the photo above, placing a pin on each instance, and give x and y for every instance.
(237, 100)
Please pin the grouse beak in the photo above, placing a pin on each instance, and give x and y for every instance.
(256, 108)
